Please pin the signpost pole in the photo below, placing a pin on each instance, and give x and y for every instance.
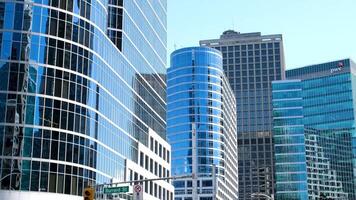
(137, 192)
(104, 194)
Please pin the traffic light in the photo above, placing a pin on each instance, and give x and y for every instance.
(89, 193)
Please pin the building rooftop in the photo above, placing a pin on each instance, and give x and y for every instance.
(322, 69)
(232, 36)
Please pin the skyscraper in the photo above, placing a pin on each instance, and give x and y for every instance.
(251, 61)
(201, 125)
(82, 97)
(314, 132)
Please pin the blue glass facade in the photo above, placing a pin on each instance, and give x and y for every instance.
(319, 100)
(289, 141)
(198, 93)
(82, 84)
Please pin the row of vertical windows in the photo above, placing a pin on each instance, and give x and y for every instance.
(159, 149)
(251, 53)
(115, 22)
(249, 47)
(243, 61)
(154, 167)
(251, 67)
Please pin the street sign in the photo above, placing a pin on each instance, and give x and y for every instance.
(111, 190)
(137, 192)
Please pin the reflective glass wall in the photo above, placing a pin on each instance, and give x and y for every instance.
(200, 100)
(327, 93)
(82, 82)
(289, 141)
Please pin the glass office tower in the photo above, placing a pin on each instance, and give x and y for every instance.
(314, 132)
(289, 141)
(82, 96)
(201, 117)
(251, 61)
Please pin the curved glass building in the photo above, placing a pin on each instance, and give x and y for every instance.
(82, 96)
(201, 103)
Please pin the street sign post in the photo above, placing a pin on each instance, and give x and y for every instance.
(112, 190)
(137, 192)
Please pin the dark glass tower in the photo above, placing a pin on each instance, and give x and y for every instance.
(251, 61)
(82, 93)
(201, 115)
(314, 132)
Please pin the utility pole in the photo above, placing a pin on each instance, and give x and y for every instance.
(194, 162)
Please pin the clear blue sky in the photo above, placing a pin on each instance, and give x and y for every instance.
(314, 31)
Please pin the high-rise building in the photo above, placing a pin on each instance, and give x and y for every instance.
(201, 125)
(314, 132)
(251, 61)
(82, 97)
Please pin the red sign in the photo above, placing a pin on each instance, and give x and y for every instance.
(137, 188)
(137, 192)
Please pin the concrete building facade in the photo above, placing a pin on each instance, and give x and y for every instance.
(251, 61)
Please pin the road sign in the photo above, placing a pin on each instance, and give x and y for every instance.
(111, 190)
(137, 192)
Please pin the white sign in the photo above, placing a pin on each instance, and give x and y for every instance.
(339, 67)
(137, 192)
(333, 70)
